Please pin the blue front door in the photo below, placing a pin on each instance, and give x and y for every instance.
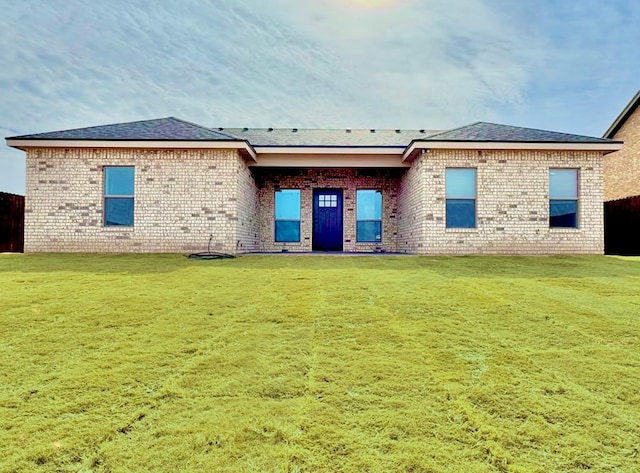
(327, 220)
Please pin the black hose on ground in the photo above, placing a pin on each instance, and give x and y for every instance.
(209, 254)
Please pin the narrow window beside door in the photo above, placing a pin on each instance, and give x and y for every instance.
(563, 198)
(460, 184)
(287, 216)
(118, 196)
(368, 216)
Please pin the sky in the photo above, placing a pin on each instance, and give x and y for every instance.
(561, 65)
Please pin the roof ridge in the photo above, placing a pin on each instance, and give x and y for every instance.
(320, 129)
(202, 127)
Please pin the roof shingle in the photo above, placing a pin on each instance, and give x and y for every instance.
(487, 132)
(160, 129)
(174, 129)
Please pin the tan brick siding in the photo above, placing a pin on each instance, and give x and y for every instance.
(622, 168)
(349, 180)
(513, 203)
(412, 215)
(184, 196)
(248, 229)
(181, 198)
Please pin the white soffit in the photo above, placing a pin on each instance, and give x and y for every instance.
(500, 145)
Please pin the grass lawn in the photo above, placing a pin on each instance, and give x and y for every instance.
(319, 364)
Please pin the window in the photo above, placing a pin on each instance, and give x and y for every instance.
(118, 196)
(368, 216)
(563, 198)
(327, 201)
(460, 193)
(287, 215)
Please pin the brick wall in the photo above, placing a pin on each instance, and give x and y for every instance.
(248, 228)
(622, 168)
(512, 204)
(320, 178)
(412, 215)
(184, 196)
(181, 198)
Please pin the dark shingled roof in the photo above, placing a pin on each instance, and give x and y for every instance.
(160, 129)
(174, 129)
(623, 117)
(487, 132)
(325, 137)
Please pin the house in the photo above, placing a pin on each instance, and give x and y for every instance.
(621, 171)
(167, 185)
(622, 168)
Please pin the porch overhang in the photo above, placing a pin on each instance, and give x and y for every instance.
(330, 156)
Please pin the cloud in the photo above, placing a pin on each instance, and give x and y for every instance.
(317, 63)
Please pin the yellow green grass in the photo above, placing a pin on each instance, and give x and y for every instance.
(319, 364)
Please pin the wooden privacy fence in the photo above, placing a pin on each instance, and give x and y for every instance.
(11, 222)
(622, 226)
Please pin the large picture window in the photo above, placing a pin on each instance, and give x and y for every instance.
(563, 198)
(368, 216)
(118, 196)
(287, 212)
(460, 184)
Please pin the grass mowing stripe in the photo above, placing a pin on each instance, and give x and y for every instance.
(475, 364)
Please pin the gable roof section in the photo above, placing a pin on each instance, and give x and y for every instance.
(160, 129)
(492, 132)
(305, 137)
(167, 132)
(623, 117)
(482, 135)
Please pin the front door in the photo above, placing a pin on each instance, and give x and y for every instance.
(327, 220)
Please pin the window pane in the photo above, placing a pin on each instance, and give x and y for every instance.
(118, 181)
(563, 213)
(118, 211)
(368, 205)
(287, 230)
(563, 183)
(369, 231)
(460, 183)
(288, 204)
(461, 213)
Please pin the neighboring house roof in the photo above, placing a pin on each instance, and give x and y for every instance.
(624, 115)
(491, 132)
(160, 129)
(265, 137)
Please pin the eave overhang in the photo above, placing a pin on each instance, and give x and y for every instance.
(243, 146)
(622, 118)
(422, 145)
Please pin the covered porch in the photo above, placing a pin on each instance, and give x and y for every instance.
(351, 210)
